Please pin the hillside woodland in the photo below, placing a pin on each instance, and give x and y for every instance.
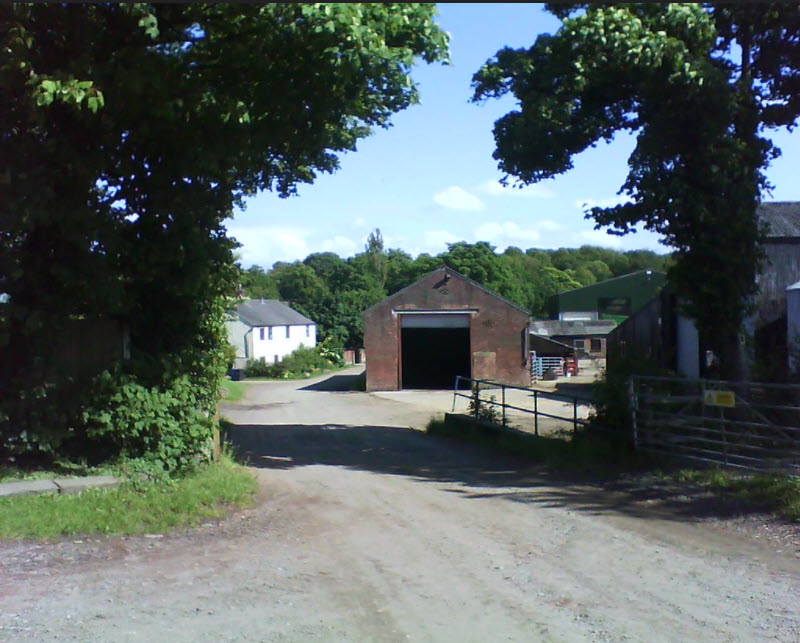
(334, 291)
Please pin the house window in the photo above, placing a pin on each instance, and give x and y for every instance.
(261, 333)
(308, 330)
(287, 332)
(269, 332)
(276, 359)
(580, 344)
(597, 345)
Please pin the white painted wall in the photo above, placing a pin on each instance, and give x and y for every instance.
(280, 345)
(237, 336)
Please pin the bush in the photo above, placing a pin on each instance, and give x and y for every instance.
(299, 363)
(483, 409)
(612, 408)
(162, 425)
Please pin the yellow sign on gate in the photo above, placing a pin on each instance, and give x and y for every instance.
(720, 398)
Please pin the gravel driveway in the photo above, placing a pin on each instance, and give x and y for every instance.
(368, 530)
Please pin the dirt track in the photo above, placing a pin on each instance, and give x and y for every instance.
(371, 531)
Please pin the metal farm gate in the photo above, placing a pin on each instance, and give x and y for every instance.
(750, 425)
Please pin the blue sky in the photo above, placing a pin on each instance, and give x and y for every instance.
(431, 179)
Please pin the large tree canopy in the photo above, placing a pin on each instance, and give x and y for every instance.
(697, 85)
(129, 132)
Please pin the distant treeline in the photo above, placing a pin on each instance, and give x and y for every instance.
(334, 292)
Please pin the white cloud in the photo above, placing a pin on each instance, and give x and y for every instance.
(342, 246)
(456, 198)
(436, 240)
(537, 191)
(359, 222)
(549, 225)
(506, 234)
(601, 238)
(264, 245)
(610, 202)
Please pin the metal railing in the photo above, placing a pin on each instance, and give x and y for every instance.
(749, 425)
(502, 406)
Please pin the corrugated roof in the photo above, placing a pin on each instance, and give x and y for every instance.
(782, 218)
(270, 312)
(558, 327)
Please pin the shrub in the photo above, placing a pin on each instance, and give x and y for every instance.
(162, 425)
(611, 403)
(483, 409)
(300, 362)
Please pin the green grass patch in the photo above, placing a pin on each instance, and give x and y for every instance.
(232, 391)
(206, 494)
(774, 492)
(596, 454)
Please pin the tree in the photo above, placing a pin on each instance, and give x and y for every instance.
(669, 73)
(377, 258)
(129, 132)
(479, 262)
(257, 284)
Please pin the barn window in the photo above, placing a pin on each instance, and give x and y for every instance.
(308, 330)
(261, 333)
(269, 332)
(287, 332)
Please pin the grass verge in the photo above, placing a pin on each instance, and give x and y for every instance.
(607, 456)
(601, 455)
(774, 492)
(206, 494)
(232, 391)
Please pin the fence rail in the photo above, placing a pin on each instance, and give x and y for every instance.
(750, 425)
(518, 404)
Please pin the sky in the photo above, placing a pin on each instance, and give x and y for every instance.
(430, 179)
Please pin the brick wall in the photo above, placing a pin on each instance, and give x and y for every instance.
(498, 330)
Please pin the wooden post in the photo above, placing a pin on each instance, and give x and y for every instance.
(536, 413)
(633, 402)
(216, 446)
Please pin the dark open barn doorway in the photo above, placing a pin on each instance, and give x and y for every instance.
(432, 357)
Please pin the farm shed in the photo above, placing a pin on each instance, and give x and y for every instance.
(614, 299)
(442, 326)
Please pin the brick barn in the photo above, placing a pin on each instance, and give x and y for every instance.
(441, 326)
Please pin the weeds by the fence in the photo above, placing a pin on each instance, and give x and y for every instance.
(585, 452)
(772, 492)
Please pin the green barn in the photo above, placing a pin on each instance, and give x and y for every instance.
(614, 299)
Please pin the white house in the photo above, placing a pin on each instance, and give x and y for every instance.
(269, 330)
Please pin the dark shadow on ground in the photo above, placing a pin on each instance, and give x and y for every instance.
(583, 391)
(477, 471)
(343, 382)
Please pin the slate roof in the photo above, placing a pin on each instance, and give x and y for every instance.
(446, 270)
(270, 312)
(782, 218)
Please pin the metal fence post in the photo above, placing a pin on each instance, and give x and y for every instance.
(536, 413)
(503, 393)
(634, 403)
(574, 416)
(455, 392)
